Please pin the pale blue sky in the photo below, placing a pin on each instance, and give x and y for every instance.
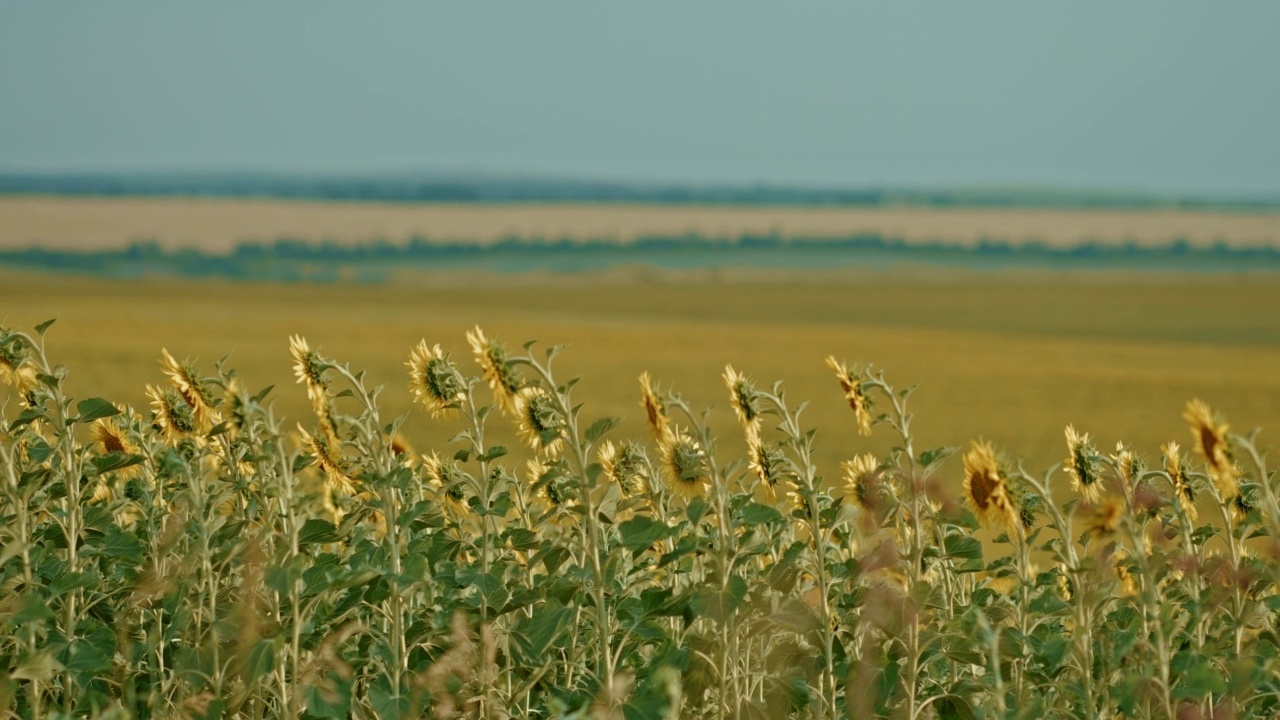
(1163, 96)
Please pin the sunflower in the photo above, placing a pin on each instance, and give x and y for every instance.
(655, 410)
(625, 465)
(768, 462)
(1210, 437)
(1103, 519)
(539, 421)
(329, 459)
(434, 380)
(448, 480)
(310, 369)
(112, 437)
(743, 397)
(15, 370)
(175, 418)
(985, 490)
(860, 484)
(853, 392)
(1082, 465)
(684, 463)
(1182, 489)
(186, 379)
(496, 369)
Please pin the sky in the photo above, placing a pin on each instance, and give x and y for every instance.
(1166, 96)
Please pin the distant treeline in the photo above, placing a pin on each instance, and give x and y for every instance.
(292, 258)
(461, 189)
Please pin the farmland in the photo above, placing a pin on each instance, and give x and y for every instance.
(1008, 356)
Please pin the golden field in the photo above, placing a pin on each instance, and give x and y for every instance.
(217, 225)
(1008, 356)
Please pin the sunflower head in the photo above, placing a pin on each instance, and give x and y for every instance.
(684, 464)
(1182, 490)
(1102, 519)
(446, 478)
(743, 396)
(186, 379)
(496, 369)
(654, 409)
(624, 464)
(861, 481)
(1082, 465)
(173, 416)
(1209, 435)
(434, 380)
(16, 368)
(851, 382)
(112, 436)
(769, 464)
(328, 457)
(539, 421)
(310, 368)
(985, 489)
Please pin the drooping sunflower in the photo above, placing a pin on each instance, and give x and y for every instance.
(1102, 519)
(851, 384)
(187, 381)
(625, 465)
(175, 418)
(743, 397)
(539, 421)
(985, 490)
(1082, 465)
(496, 369)
(859, 480)
(769, 464)
(310, 369)
(1182, 490)
(1210, 438)
(434, 381)
(655, 410)
(112, 437)
(684, 464)
(15, 369)
(448, 480)
(330, 461)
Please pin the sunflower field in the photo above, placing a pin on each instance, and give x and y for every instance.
(204, 557)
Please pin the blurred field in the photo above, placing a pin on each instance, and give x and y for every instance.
(217, 225)
(1011, 357)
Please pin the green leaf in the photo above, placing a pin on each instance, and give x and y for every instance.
(641, 532)
(115, 461)
(537, 634)
(385, 704)
(95, 408)
(316, 531)
(754, 513)
(1196, 676)
(45, 325)
(522, 539)
(600, 427)
(118, 544)
(32, 609)
(40, 666)
(26, 416)
(963, 547)
(261, 660)
(494, 453)
(953, 707)
(929, 457)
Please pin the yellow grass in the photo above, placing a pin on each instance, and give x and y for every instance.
(1010, 357)
(216, 225)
